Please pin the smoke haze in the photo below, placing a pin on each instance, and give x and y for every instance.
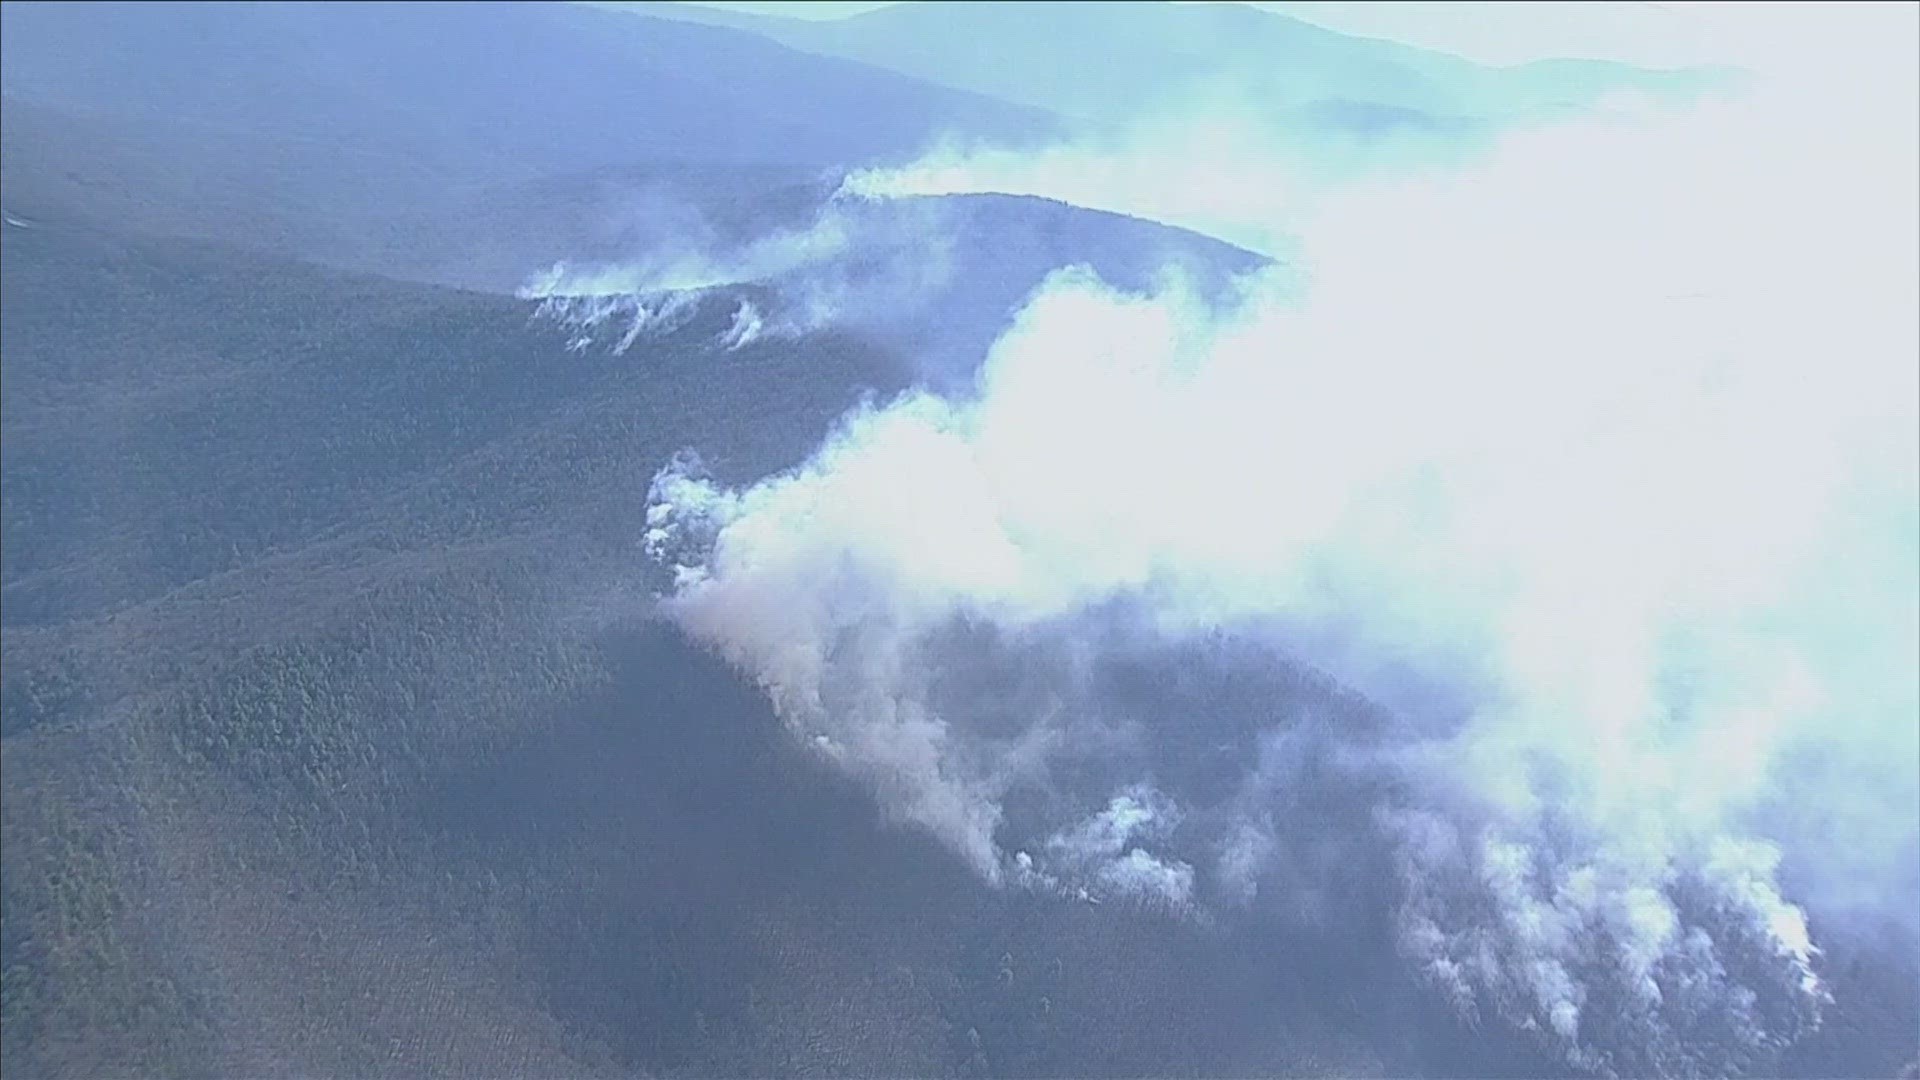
(1587, 459)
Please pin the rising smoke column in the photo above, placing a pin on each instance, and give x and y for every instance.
(1594, 465)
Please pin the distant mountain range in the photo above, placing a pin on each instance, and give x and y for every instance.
(470, 144)
(500, 87)
(394, 139)
(1114, 62)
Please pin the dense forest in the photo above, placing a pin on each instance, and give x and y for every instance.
(325, 643)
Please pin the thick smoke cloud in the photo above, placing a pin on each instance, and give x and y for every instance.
(1591, 466)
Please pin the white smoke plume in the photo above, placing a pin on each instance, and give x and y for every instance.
(677, 269)
(854, 263)
(1108, 850)
(1221, 166)
(1593, 463)
(619, 304)
(1238, 179)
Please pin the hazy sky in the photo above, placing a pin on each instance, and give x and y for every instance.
(1674, 33)
(803, 9)
(1658, 34)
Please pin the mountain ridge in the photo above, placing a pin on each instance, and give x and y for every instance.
(426, 81)
(1131, 58)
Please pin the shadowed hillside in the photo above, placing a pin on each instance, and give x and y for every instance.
(584, 88)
